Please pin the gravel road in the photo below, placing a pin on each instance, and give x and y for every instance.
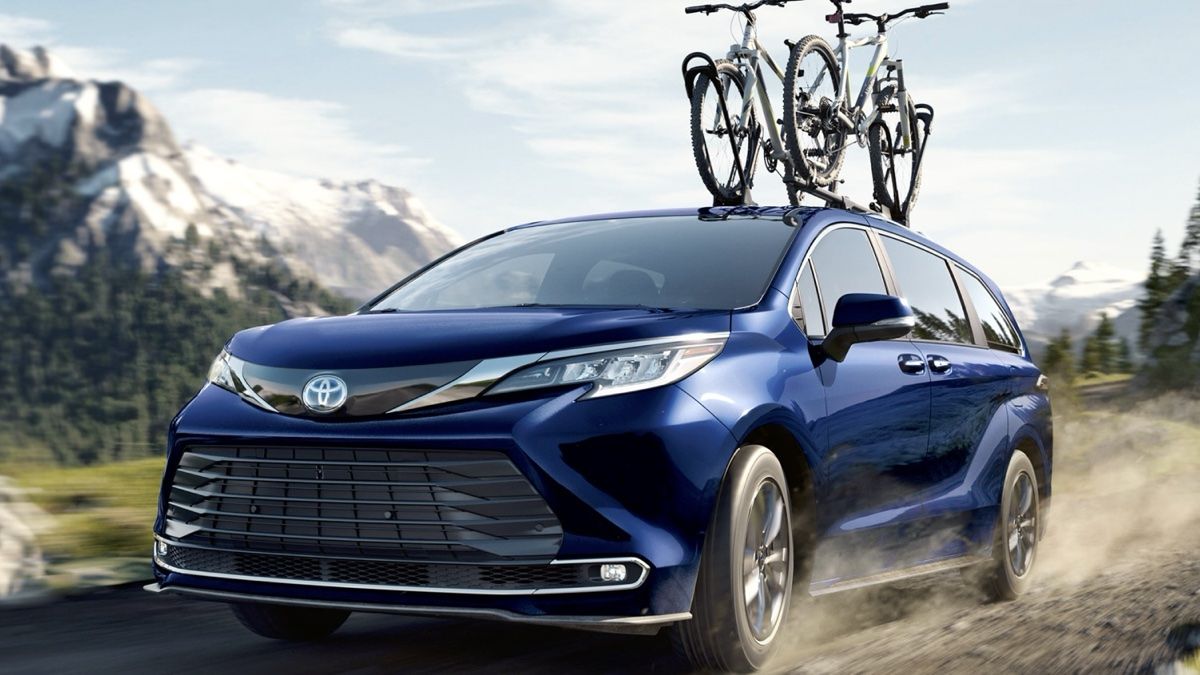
(1118, 590)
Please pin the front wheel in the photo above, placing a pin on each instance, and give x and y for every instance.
(723, 143)
(745, 581)
(295, 624)
(896, 161)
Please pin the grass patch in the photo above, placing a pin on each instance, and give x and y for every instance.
(1102, 378)
(101, 511)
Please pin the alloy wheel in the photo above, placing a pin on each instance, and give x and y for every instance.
(765, 560)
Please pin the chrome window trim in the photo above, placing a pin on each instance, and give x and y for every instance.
(968, 309)
(645, 568)
(827, 312)
(1021, 349)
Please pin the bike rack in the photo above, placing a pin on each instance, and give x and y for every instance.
(708, 68)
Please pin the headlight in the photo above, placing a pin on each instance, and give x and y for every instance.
(616, 372)
(220, 374)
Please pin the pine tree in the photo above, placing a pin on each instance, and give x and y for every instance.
(1156, 288)
(1059, 360)
(1124, 357)
(1189, 250)
(1105, 345)
(1089, 362)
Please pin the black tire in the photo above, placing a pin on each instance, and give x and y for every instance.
(294, 624)
(722, 635)
(712, 146)
(880, 138)
(813, 138)
(1007, 579)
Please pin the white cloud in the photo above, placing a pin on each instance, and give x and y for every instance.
(303, 136)
(399, 44)
(24, 31)
(106, 65)
(94, 63)
(294, 135)
(392, 8)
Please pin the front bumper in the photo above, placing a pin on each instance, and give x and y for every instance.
(631, 478)
(647, 625)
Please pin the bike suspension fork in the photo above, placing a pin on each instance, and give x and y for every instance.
(906, 130)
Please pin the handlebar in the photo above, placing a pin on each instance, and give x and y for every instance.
(881, 20)
(744, 9)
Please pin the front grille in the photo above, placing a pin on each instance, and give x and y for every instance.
(512, 577)
(383, 504)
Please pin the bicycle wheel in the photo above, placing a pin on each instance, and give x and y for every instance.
(811, 131)
(895, 167)
(725, 173)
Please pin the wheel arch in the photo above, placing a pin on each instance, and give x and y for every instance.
(1027, 441)
(781, 432)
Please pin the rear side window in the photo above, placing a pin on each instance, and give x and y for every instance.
(844, 262)
(925, 281)
(999, 332)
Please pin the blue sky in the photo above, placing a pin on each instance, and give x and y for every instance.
(1065, 130)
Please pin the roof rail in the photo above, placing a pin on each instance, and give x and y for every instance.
(831, 198)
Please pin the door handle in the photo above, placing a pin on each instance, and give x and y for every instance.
(911, 363)
(939, 364)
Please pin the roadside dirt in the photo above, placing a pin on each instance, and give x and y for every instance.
(1117, 591)
(1118, 578)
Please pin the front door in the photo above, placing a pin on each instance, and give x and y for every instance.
(876, 429)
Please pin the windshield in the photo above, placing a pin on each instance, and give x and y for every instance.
(672, 262)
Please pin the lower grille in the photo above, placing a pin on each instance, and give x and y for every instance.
(357, 503)
(562, 577)
(487, 578)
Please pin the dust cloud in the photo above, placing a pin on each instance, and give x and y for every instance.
(1126, 479)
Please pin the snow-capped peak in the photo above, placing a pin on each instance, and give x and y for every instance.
(33, 64)
(1075, 299)
(354, 238)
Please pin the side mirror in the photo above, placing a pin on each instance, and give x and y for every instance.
(866, 317)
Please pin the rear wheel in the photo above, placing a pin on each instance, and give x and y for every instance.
(745, 581)
(811, 131)
(725, 172)
(1016, 542)
(296, 624)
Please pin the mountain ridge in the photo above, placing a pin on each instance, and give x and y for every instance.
(117, 159)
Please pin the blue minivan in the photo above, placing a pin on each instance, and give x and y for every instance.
(624, 422)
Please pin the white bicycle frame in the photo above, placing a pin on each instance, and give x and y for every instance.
(878, 60)
(749, 55)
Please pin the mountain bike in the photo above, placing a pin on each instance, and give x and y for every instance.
(822, 122)
(731, 109)
(729, 98)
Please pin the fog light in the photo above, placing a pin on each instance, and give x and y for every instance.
(162, 549)
(612, 572)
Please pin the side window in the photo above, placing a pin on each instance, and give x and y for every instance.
(844, 262)
(996, 327)
(807, 309)
(925, 281)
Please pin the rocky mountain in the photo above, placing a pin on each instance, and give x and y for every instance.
(110, 177)
(1074, 300)
(127, 259)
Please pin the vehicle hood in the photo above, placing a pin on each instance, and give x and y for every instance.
(421, 338)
